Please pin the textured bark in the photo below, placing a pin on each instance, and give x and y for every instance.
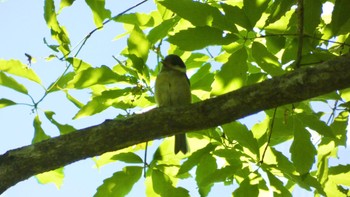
(22, 163)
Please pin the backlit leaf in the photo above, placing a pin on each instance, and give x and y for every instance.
(253, 9)
(202, 79)
(200, 37)
(10, 82)
(277, 186)
(206, 166)
(162, 30)
(138, 44)
(266, 61)
(240, 133)
(278, 9)
(121, 183)
(58, 32)
(39, 134)
(138, 19)
(99, 11)
(63, 128)
(237, 15)
(340, 15)
(302, 150)
(312, 15)
(54, 176)
(66, 3)
(194, 158)
(6, 102)
(199, 14)
(128, 157)
(93, 76)
(232, 74)
(163, 186)
(78, 64)
(17, 68)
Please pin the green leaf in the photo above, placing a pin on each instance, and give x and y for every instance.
(39, 134)
(220, 175)
(66, 3)
(138, 19)
(93, 76)
(199, 14)
(202, 79)
(194, 158)
(61, 83)
(163, 186)
(302, 150)
(232, 74)
(247, 187)
(17, 68)
(275, 43)
(162, 30)
(200, 37)
(121, 183)
(313, 122)
(118, 98)
(12, 83)
(340, 174)
(138, 44)
(277, 186)
(99, 11)
(253, 9)
(266, 60)
(6, 102)
(312, 15)
(129, 157)
(78, 64)
(76, 102)
(58, 33)
(339, 128)
(54, 176)
(325, 150)
(278, 9)
(340, 15)
(64, 129)
(237, 16)
(240, 133)
(206, 166)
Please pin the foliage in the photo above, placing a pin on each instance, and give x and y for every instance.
(227, 45)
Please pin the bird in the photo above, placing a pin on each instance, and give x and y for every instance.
(172, 88)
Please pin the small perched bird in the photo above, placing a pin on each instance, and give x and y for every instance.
(172, 88)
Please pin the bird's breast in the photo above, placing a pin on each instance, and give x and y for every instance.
(172, 88)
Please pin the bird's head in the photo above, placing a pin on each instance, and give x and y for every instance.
(174, 62)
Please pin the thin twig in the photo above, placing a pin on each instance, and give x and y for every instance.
(300, 12)
(104, 23)
(82, 43)
(145, 161)
(295, 35)
(270, 134)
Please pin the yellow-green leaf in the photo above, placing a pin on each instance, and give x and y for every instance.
(121, 183)
(17, 68)
(93, 76)
(12, 83)
(54, 176)
(39, 134)
(6, 102)
(99, 11)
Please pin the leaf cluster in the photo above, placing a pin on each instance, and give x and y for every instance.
(226, 45)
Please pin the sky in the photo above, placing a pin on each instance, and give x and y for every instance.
(22, 31)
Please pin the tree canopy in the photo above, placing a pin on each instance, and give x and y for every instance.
(280, 58)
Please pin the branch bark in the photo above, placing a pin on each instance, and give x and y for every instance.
(19, 164)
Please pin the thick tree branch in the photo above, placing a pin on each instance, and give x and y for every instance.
(22, 163)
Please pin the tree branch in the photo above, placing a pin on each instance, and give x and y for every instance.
(22, 163)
